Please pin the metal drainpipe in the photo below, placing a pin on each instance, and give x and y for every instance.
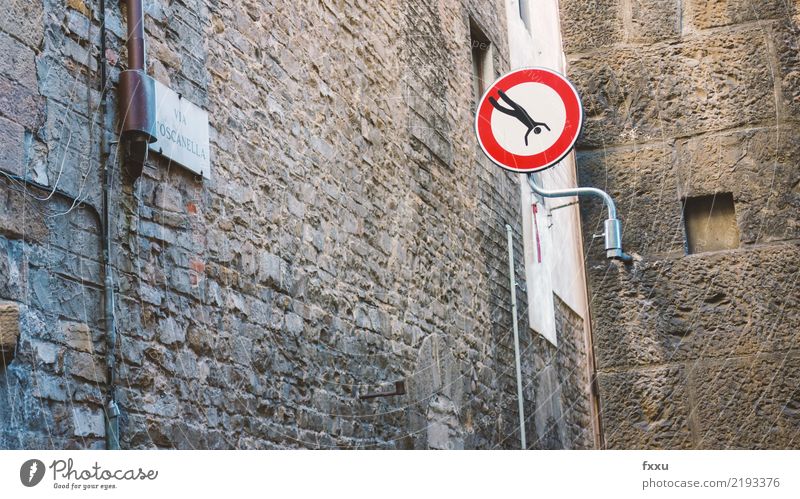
(136, 94)
(513, 283)
(135, 34)
(112, 411)
(613, 227)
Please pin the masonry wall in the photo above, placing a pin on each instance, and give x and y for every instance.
(683, 99)
(351, 234)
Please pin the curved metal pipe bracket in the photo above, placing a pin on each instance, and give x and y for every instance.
(612, 226)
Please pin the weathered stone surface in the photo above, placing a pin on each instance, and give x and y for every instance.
(13, 267)
(786, 36)
(758, 166)
(702, 14)
(9, 328)
(50, 387)
(18, 61)
(713, 305)
(77, 336)
(651, 93)
(559, 407)
(573, 379)
(591, 25)
(21, 104)
(46, 352)
(21, 217)
(171, 332)
(646, 409)
(749, 402)
(654, 20)
(25, 20)
(88, 423)
(168, 198)
(701, 111)
(87, 367)
(443, 428)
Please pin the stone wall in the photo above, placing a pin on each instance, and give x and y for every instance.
(562, 409)
(351, 235)
(683, 99)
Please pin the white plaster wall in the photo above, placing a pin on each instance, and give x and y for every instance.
(561, 270)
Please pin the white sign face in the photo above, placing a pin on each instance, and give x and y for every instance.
(512, 134)
(181, 131)
(529, 119)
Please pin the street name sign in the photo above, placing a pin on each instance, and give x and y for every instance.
(181, 131)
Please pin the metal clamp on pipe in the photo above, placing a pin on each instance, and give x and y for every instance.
(137, 95)
(137, 100)
(613, 227)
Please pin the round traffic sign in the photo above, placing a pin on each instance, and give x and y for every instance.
(529, 119)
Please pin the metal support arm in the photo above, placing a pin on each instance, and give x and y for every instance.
(613, 227)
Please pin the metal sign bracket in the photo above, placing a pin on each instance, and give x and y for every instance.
(613, 227)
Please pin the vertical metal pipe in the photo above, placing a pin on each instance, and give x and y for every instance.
(513, 282)
(112, 410)
(135, 35)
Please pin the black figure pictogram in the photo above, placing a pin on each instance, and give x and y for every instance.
(518, 112)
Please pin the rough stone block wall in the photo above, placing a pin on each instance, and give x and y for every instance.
(561, 414)
(692, 98)
(351, 235)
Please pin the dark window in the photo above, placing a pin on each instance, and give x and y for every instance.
(710, 223)
(482, 68)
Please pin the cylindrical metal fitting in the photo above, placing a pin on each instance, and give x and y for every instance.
(613, 240)
(137, 105)
(112, 415)
(613, 234)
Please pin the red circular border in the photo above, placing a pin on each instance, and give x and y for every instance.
(552, 155)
